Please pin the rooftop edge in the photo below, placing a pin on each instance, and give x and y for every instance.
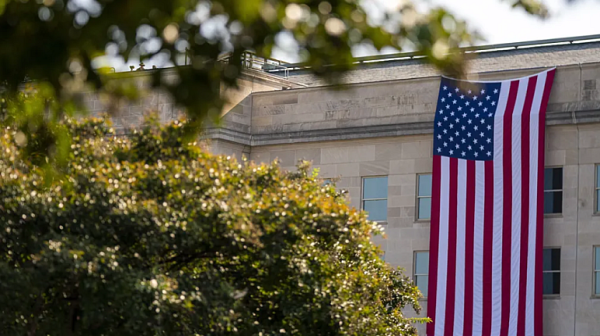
(411, 55)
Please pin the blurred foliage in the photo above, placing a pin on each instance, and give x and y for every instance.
(59, 42)
(148, 235)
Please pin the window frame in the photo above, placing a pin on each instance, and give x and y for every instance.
(552, 271)
(418, 197)
(596, 188)
(562, 199)
(595, 272)
(363, 199)
(415, 275)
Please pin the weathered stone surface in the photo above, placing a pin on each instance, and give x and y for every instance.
(383, 128)
(509, 61)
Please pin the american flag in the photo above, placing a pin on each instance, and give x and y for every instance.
(485, 270)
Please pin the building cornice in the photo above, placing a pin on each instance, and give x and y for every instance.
(373, 131)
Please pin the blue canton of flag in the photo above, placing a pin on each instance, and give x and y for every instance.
(464, 120)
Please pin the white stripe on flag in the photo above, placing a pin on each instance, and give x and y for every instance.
(515, 255)
(440, 308)
(498, 209)
(533, 173)
(461, 203)
(478, 248)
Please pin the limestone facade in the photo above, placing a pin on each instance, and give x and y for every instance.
(384, 128)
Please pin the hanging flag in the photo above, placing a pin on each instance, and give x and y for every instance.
(487, 207)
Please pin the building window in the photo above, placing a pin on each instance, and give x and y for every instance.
(326, 182)
(424, 196)
(553, 190)
(597, 188)
(375, 190)
(597, 270)
(551, 271)
(421, 270)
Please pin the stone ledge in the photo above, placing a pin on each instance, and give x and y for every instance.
(366, 132)
(574, 117)
(230, 135)
(347, 133)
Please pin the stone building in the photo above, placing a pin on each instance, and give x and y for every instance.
(375, 135)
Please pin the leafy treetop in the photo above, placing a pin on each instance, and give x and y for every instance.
(60, 43)
(148, 235)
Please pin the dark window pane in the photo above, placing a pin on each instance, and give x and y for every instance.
(553, 178)
(375, 187)
(422, 263)
(326, 182)
(597, 258)
(598, 176)
(552, 259)
(377, 210)
(597, 283)
(553, 202)
(421, 282)
(424, 185)
(547, 260)
(598, 200)
(551, 283)
(424, 208)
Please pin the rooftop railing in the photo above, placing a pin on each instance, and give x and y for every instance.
(252, 61)
(471, 49)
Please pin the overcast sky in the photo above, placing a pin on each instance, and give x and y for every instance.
(495, 20)
(498, 22)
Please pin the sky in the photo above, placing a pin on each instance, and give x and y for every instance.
(495, 20)
(498, 22)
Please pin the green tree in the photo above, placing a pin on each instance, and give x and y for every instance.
(56, 42)
(148, 235)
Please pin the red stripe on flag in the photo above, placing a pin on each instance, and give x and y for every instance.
(469, 248)
(525, 151)
(507, 205)
(539, 239)
(451, 281)
(488, 241)
(434, 243)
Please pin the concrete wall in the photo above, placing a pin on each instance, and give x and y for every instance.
(224, 147)
(385, 128)
(498, 60)
(575, 231)
(398, 107)
(349, 134)
(127, 114)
